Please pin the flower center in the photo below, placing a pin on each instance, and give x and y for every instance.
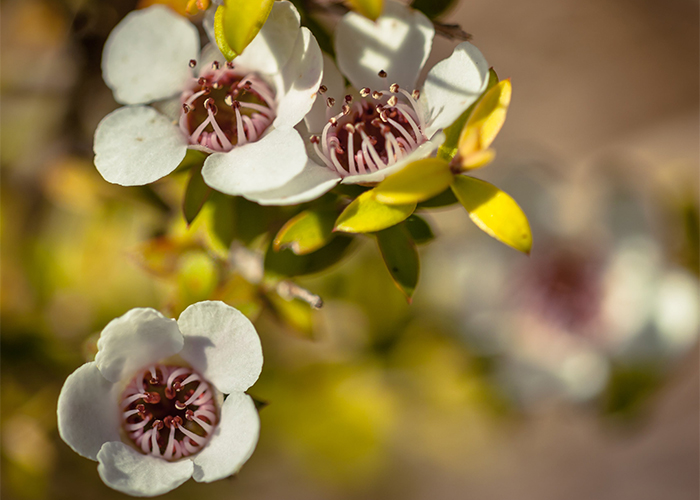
(225, 108)
(371, 133)
(169, 411)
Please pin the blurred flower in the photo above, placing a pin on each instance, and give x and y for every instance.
(244, 113)
(384, 121)
(150, 408)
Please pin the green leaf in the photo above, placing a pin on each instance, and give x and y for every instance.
(432, 8)
(418, 181)
(236, 23)
(286, 263)
(367, 215)
(223, 219)
(294, 313)
(419, 229)
(401, 258)
(444, 199)
(193, 158)
(448, 150)
(196, 195)
(371, 9)
(307, 231)
(494, 212)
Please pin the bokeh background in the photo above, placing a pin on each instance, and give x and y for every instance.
(569, 374)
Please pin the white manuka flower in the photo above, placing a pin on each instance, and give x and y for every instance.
(150, 408)
(383, 124)
(244, 112)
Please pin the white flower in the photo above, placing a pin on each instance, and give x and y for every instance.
(149, 409)
(244, 112)
(384, 121)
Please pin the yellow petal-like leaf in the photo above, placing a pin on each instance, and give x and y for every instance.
(418, 181)
(306, 232)
(477, 160)
(236, 23)
(367, 215)
(496, 213)
(371, 9)
(486, 121)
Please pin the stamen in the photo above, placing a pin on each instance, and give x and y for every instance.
(192, 63)
(330, 102)
(365, 91)
(382, 74)
(376, 94)
(394, 88)
(322, 89)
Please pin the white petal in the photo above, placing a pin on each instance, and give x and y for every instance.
(273, 45)
(266, 164)
(398, 43)
(423, 151)
(300, 80)
(146, 56)
(233, 442)
(136, 145)
(453, 85)
(133, 341)
(88, 415)
(222, 344)
(126, 470)
(316, 119)
(311, 183)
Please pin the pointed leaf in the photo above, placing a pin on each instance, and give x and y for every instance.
(444, 199)
(419, 229)
(401, 258)
(449, 148)
(494, 212)
(196, 195)
(236, 23)
(486, 121)
(371, 9)
(367, 215)
(418, 181)
(307, 231)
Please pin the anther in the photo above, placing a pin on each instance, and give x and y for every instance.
(348, 98)
(217, 85)
(382, 74)
(141, 409)
(229, 64)
(315, 139)
(350, 128)
(415, 94)
(228, 100)
(385, 129)
(157, 424)
(193, 63)
(180, 405)
(185, 108)
(234, 105)
(248, 85)
(210, 105)
(170, 393)
(330, 102)
(189, 415)
(152, 398)
(376, 94)
(392, 101)
(394, 88)
(346, 109)
(365, 91)
(384, 116)
(201, 80)
(322, 89)
(168, 421)
(376, 123)
(177, 420)
(215, 65)
(333, 121)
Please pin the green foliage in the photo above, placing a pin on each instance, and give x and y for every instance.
(401, 257)
(433, 8)
(419, 229)
(287, 263)
(418, 181)
(196, 195)
(367, 215)
(444, 199)
(307, 231)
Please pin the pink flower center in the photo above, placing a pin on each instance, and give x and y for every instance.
(371, 133)
(225, 108)
(169, 411)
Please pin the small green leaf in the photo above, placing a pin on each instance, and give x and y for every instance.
(237, 22)
(371, 9)
(196, 195)
(432, 8)
(418, 181)
(286, 263)
(401, 258)
(494, 212)
(307, 231)
(192, 159)
(367, 215)
(420, 230)
(444, 199)
(449, 148)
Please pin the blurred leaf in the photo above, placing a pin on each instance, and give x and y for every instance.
(197, 276)
(418, 181)
(371, 9)
(236, 23)
(419, 229)
(160, 255)
(401, 258)
(367, 215)
(448, 149)
(444, 199)
(494, 212)
(294, 313)
(432, 8)
(306, 232)
(223, 218)
(483, 126)
(193, 158)
(196, 194)
(351, 190)
(286, 263)
(630, 389)
(241, 294)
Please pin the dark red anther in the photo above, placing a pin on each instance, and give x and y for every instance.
(193, 63)
(180, 405)
(168, 421)
(365, 91)
(330, 102)
(211, 106)
(185, 108)
(394, 88)
(177, 420)
(322, 89)
(248, 85)
(346, 109)
(215, 65)
(229, 64)
(201, 80)
(189, 415)
(152, 398)
(170, 393)
(141, 409)
(382, 74)
(157, 424)
(415, 94)
(314, 139)
(348, 98)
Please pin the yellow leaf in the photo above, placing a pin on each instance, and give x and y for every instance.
(418, 181)
(371, 9)
(236, 23)
(494, 212)
(306, 232)
(367, 215)
(486, 121)
(478, 159)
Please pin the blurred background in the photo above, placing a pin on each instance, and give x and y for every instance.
(569, 374)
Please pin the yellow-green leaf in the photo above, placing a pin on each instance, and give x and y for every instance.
(494, 212)
(418, 181)
(236, 23)
(306, 232)
(401, 258)
(371, 9)
(196, 194)
(478, 159)
(367, 215)
(486, 121)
